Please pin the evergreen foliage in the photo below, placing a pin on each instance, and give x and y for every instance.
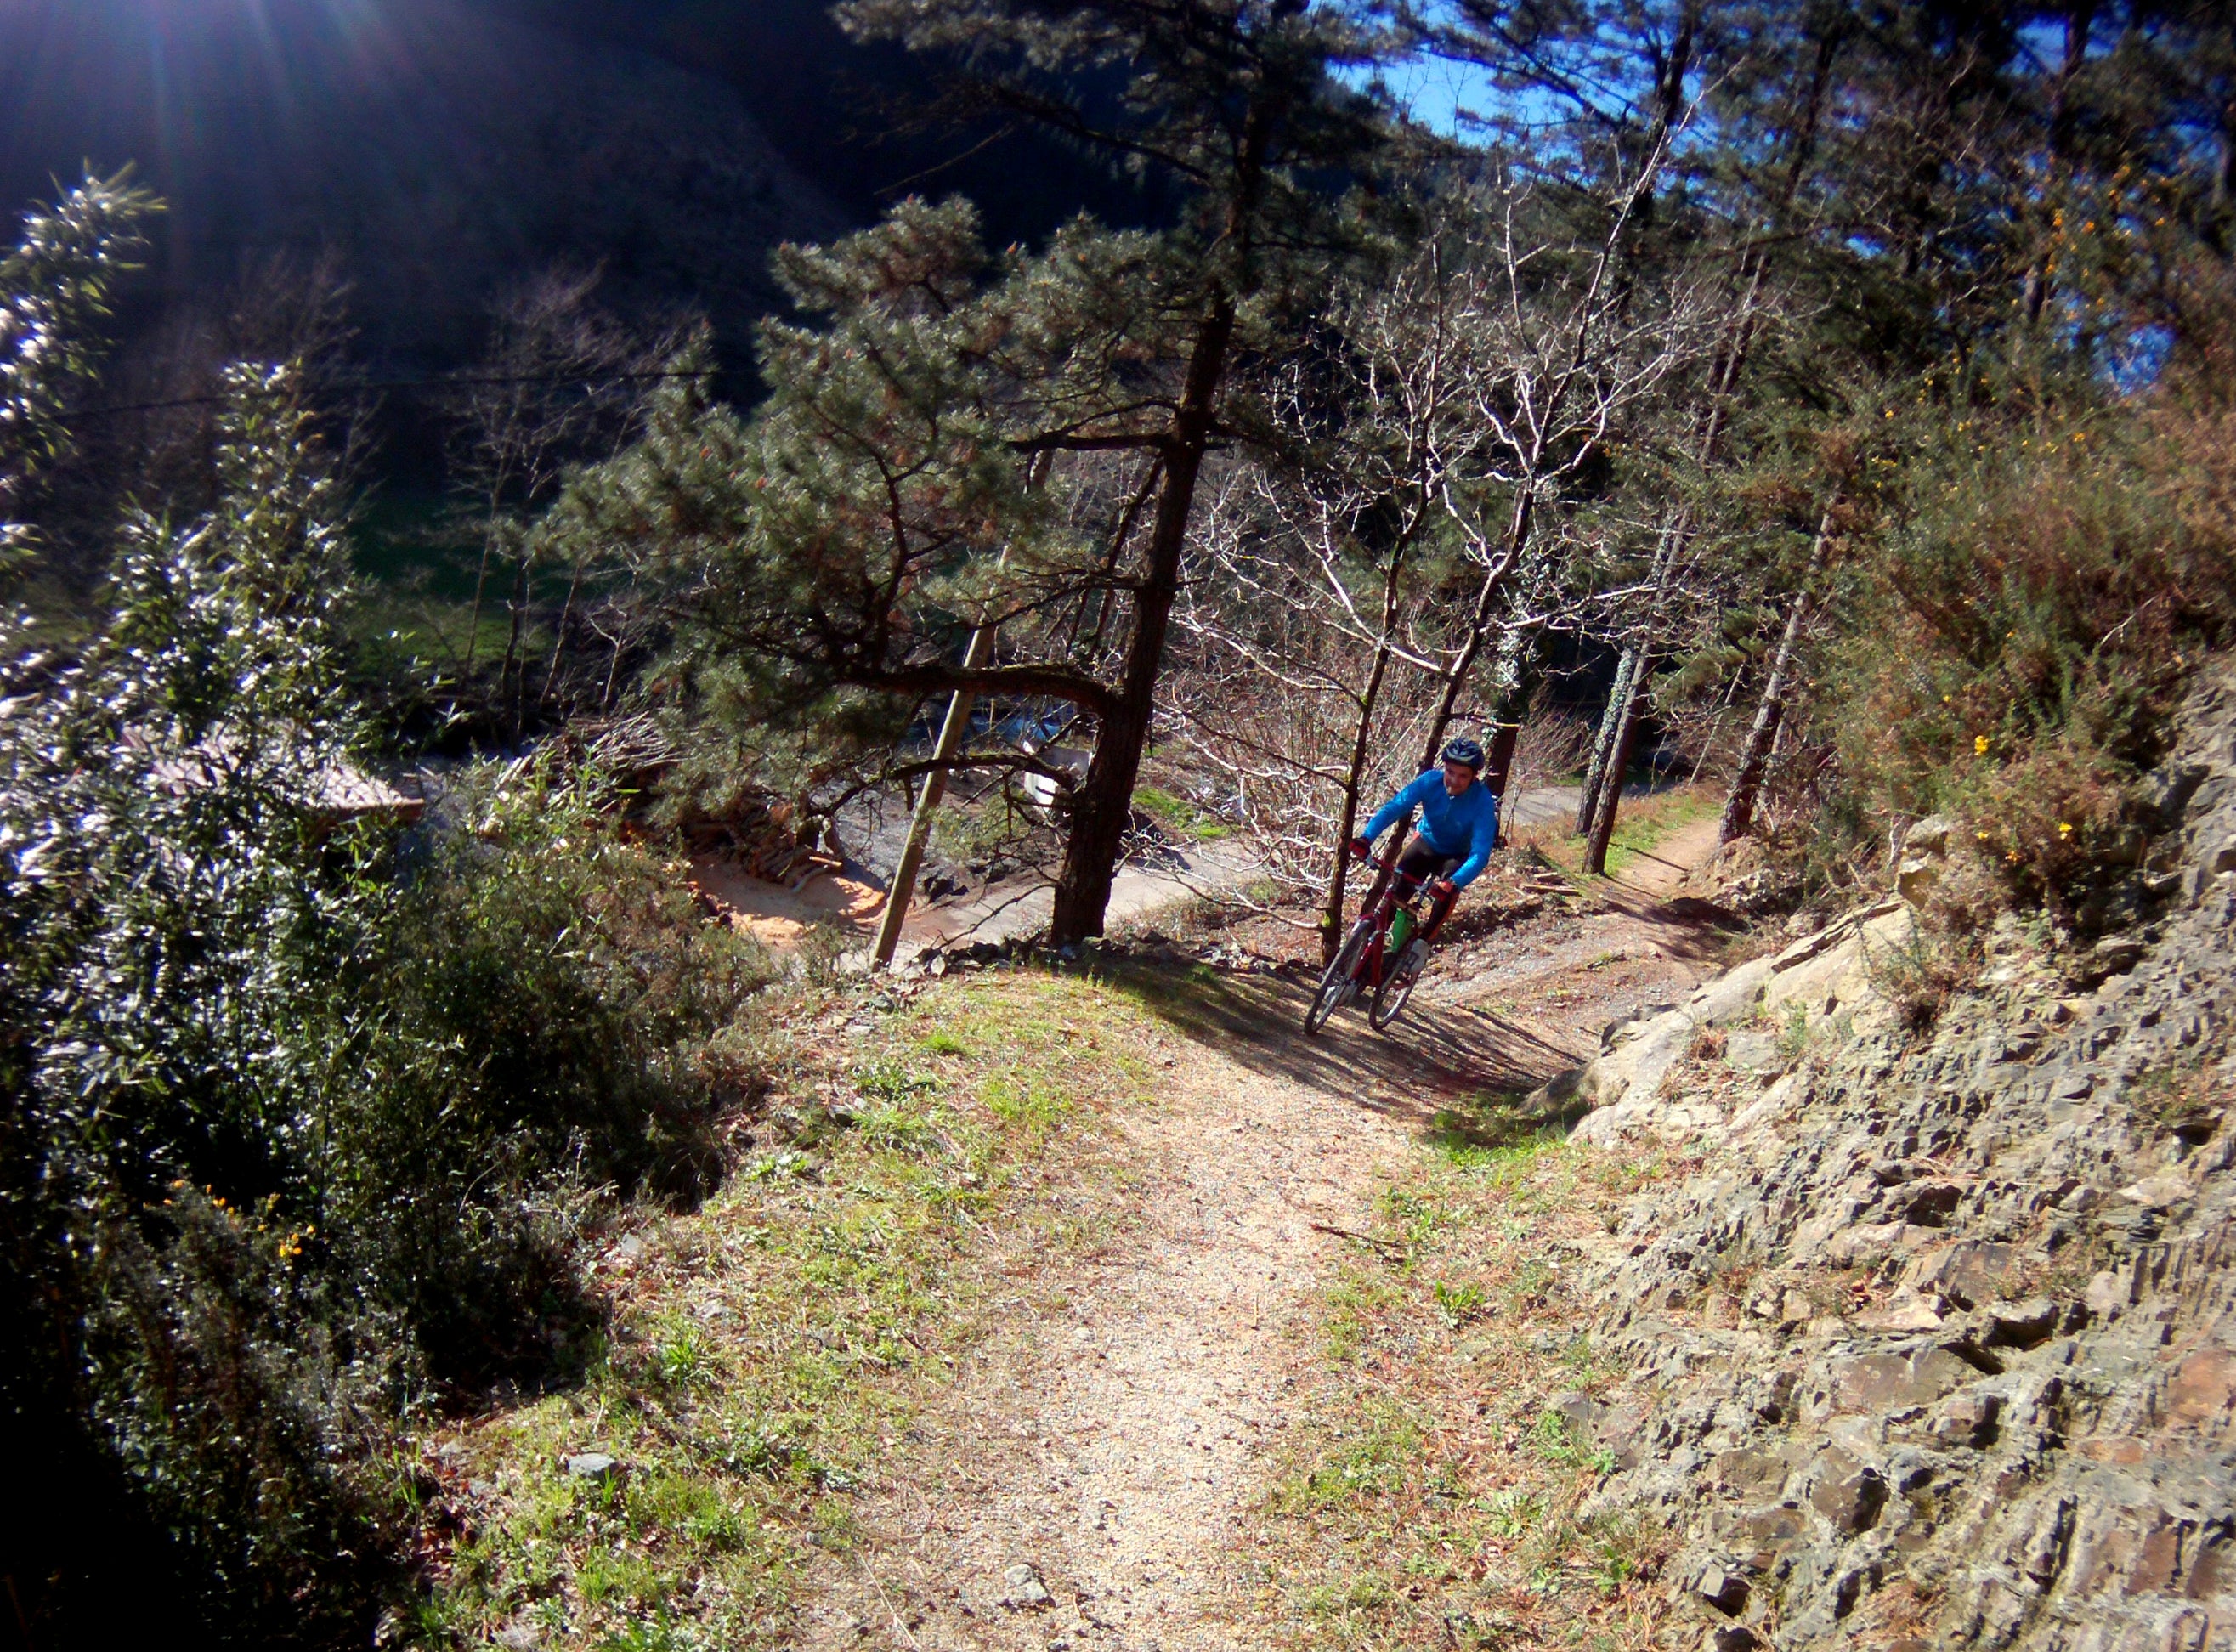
(297, 1126)
(1016, 441)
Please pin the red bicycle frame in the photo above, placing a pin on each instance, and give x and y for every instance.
(1380, 910)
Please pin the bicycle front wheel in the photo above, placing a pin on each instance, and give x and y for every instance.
(1395, 989)
(1335, 980)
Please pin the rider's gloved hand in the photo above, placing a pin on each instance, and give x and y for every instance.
(1442, 889)
(1360, 848)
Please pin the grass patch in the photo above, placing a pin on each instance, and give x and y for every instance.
(1179, 816)
(1641, 826)
(1644, 825)
(1432, 1498)
(769, 1357)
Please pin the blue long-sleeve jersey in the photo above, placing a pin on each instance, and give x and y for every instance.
(1466, 824)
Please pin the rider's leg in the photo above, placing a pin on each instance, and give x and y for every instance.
(1420, 863)
(1415, 867)
(1440, 906)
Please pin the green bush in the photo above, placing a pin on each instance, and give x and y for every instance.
(301, 1126)
(2017, 633)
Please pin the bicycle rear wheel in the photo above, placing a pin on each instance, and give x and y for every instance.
(1395, 989)
(1335, 980)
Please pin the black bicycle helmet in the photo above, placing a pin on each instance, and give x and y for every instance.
(1465, 751)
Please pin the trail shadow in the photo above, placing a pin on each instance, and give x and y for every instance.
(1496, 1121)
(1689, 929)
(1437, 1060)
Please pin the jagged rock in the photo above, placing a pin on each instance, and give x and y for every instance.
(1724, 1588)
(1848, 1492)
(1929, 836)
(1925, 854)
(1734, 994)
(2021, 1325)
(2156, 1193)
(1755, 1052)
(1827, 977)
(1914, 1424)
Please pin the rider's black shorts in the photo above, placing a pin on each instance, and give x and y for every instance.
(1423, 863)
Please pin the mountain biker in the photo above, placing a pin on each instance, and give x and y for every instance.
(1459, 828)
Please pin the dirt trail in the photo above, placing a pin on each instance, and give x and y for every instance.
(1117, 1449)
(1115, 1454)
(1643, 941)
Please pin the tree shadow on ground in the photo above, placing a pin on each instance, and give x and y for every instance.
(1505, 1120)
(1439, 1059)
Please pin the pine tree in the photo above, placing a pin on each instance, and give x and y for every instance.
(955, 440)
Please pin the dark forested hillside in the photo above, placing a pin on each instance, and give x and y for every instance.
(846, 114)
(438, 147)
(436, 152)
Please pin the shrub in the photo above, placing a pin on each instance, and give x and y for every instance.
(2017, 635)
(298, 1128)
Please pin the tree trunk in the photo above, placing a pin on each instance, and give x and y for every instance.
(1597, 814)
(559, 639)
(519, 606)
(1493, 582)
(1102, 806)
(1347, 820)
(1746, 786)
(1517, 673)
(620, 635)
(1588, 805)
(1369, 699)
(902, 890)
(1626, 738)
(1498, 760)
(474, 613)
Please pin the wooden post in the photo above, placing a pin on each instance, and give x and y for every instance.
(903, 888)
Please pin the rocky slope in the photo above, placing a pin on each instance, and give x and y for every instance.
(1933, 1345)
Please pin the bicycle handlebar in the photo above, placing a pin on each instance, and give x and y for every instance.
(1380, 864)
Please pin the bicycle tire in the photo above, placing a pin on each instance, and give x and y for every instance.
(1395, 991)
(1335, 980)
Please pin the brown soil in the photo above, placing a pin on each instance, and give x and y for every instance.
(778, 915)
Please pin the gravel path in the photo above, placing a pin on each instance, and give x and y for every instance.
(1118, 1456)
